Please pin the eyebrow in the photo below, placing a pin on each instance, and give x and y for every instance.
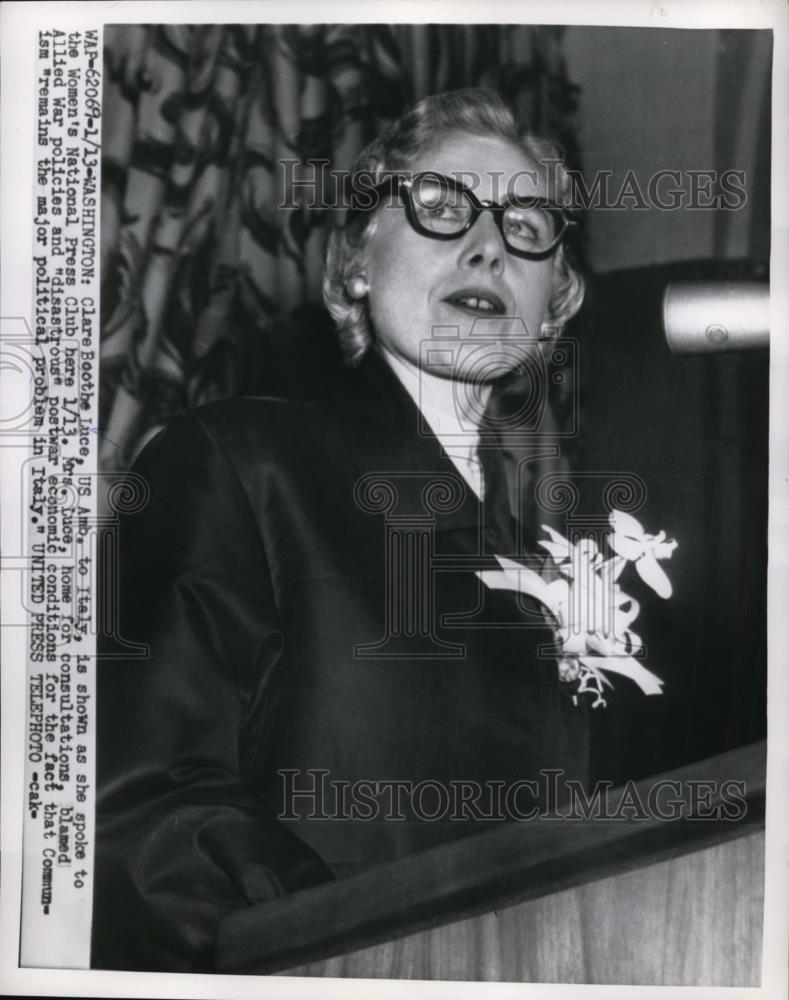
(391, 179)
(522, 200)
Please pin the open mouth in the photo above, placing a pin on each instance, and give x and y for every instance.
(477, 302)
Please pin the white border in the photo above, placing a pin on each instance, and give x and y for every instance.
(18, 23)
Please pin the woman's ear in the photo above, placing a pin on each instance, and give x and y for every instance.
(568, 291)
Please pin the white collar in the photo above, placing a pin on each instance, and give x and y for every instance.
(438, 400)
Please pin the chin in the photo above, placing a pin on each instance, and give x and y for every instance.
(490, 361)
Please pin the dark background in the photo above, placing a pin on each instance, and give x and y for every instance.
(695, 428)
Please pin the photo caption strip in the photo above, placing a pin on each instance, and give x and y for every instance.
(60, 506)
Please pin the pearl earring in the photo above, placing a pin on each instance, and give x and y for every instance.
(357, 286)
(549, 331)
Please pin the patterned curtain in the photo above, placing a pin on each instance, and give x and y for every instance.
(199, 266)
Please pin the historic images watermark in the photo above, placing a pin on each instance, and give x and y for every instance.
(311, 794)
(315, 185)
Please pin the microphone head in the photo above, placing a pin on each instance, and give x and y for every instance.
(702, 317)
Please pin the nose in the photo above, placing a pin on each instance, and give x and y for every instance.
(483, 247)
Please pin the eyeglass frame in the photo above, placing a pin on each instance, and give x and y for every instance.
(406, 184)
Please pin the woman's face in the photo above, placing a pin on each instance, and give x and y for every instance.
(422, 289)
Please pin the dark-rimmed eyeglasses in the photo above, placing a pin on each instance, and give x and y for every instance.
(442, 208)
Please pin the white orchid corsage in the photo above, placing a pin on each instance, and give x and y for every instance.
(590, 613)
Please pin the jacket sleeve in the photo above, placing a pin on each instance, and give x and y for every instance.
(183, 835)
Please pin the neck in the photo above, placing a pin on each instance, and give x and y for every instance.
(451, 398)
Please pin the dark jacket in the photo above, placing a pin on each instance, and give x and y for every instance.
(304, 577)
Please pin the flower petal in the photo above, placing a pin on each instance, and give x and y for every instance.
(648, 682)
(559, 539)
(653, 575)
(664, 550)
(625, 524)
(521, 580)
(558, 552)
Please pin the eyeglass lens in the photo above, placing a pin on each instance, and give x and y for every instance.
(445, 210)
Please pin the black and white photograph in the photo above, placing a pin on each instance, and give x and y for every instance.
(394, 479)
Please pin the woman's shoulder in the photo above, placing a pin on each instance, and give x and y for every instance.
(354, 406)
(246, 429)
(241, 415)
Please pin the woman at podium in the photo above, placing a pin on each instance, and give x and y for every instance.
(327, 683)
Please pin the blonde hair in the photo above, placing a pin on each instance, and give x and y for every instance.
(479, 112)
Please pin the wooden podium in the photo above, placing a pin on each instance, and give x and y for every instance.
(640, 900)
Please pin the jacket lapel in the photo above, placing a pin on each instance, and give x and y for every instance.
(394, 447)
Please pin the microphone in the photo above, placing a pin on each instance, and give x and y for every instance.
(703, 317)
